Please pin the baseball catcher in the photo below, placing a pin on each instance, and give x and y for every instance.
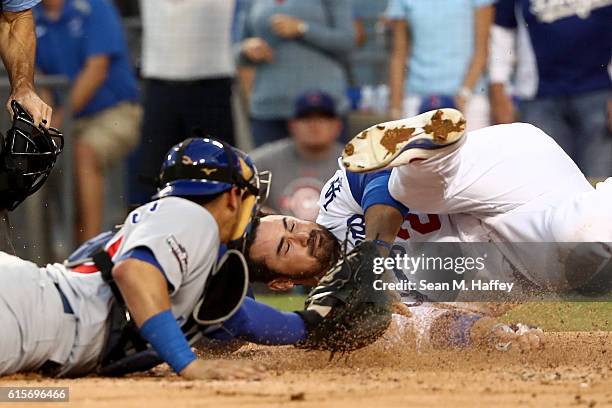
(70, 319)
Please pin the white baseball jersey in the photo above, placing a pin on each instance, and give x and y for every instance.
(183, 238)
(346, 194)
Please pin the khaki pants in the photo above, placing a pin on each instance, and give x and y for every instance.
(112, 133)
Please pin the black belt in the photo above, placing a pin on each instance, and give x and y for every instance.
(65, 303)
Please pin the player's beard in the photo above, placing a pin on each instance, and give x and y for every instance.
(324, 247)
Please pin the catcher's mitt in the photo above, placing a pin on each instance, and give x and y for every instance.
(344, 312)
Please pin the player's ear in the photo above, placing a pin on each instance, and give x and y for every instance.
(233, 198)
(280, 284)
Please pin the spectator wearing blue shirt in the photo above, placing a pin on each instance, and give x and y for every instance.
(83, 40)
(559, 54)
(443, 44)
(17, 48)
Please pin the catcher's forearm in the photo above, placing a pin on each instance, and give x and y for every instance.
(18, 47)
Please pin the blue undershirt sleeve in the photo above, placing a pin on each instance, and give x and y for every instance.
(376, 191)
(259, 323)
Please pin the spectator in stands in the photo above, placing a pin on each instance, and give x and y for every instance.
(188, 67)
(295, 45)
(302, 163)
(83, 40)
(370, 60)
(359, 28)
(444, 43)
(562, 52)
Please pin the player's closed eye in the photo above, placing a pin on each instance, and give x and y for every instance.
(287, 247)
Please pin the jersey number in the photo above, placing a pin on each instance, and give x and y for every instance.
(432, 224)
(136, 216)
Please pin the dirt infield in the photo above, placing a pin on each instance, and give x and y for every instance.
(574, 370)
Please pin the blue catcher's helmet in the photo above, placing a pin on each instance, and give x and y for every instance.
(198, 167)
(203, 166)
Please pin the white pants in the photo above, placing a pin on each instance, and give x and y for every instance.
(419, 326)
(511, 184)
(34, 327)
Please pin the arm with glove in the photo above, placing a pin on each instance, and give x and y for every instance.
(342, 313)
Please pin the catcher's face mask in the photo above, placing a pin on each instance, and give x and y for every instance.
(256, 187)
(27, 156)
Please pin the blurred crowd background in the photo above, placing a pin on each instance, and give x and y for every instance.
(289, 81)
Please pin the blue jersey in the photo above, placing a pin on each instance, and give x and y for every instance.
(86, 28)
(570, 43)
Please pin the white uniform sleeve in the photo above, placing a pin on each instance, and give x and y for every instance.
(182, 235)
(339, 212)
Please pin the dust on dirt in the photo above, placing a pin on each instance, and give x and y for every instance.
(574, 370)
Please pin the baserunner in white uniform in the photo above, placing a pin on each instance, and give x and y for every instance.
(506, 184)
(358, 207)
